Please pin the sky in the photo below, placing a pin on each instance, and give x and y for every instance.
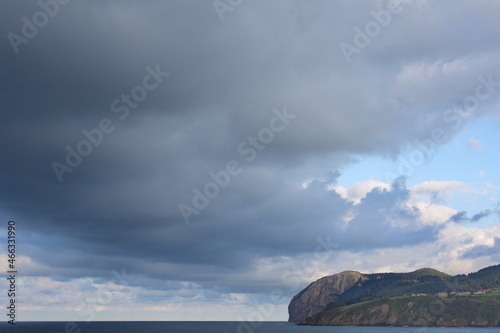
(207, 160)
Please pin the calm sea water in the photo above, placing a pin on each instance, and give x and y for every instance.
(215, 327)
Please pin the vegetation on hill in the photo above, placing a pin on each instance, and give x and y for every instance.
(410, 299)
(422, 281)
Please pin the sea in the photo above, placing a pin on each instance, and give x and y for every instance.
(215, 327)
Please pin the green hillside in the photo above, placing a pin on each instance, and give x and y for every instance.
(426, 281)
(411, 299)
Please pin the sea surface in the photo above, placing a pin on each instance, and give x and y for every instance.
(214, 327)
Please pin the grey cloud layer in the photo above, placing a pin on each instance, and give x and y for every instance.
(225, 78)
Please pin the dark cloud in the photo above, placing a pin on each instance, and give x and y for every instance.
(461, 217)
(484, 250)
(232, 234)
(383, 219)
(119, 207)
(480, 215)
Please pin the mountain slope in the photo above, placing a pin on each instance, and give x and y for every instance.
(320, 293)
(335, 291)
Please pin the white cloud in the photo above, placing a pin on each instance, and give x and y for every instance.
(434, 214)
(474, 144)
(432, 191)
(488, 191)
(84, 300)
(359, 190)
(443, 254)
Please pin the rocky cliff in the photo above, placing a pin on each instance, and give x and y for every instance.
(320, 293)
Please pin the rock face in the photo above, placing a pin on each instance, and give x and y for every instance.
(318, 294)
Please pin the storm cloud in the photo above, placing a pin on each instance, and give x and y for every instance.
(97, 70)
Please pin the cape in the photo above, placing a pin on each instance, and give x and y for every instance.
(425, 297)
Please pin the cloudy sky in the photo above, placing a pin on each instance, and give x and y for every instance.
(199, 160)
